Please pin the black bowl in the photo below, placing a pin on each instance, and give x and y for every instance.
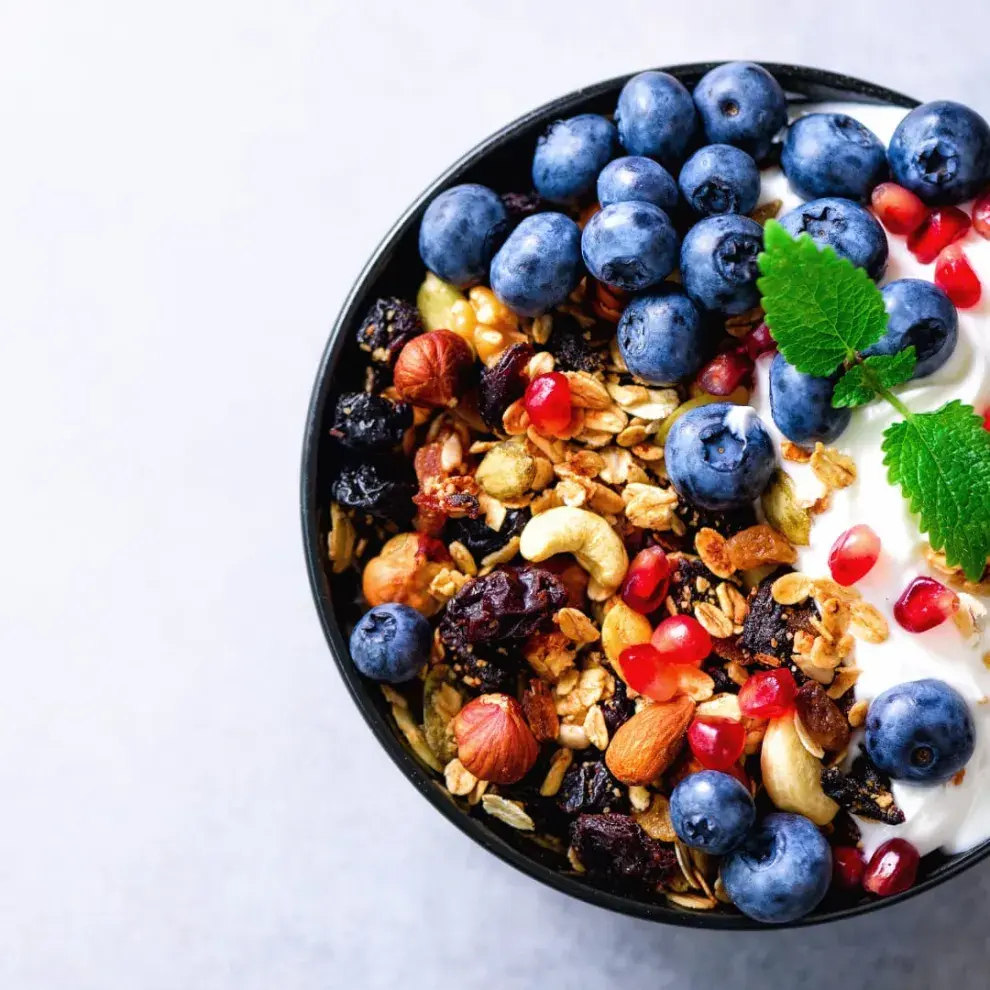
(503, 161)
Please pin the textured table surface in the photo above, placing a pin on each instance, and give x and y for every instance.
(188, 800)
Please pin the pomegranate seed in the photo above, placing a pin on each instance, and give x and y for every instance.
(768, 694)
(954, 275)
(943, 226)
(725, 372)
(548, 402)
(986, 419)
(717, 743)
(682, 639)
(925, 604)
(759, 341)
(981, 215)
(899, 210)
(848, 866)
(644, 670)
(647, 581)
(892, 868)
(853, 554)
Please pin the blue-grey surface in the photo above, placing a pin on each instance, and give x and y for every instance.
(188, 800)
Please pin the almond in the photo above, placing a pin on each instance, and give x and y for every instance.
(493, 740)
(648, 743)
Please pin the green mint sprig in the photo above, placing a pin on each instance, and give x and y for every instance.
(823, 313)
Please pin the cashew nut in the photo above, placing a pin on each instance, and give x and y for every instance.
(595, 545)
(791, 775)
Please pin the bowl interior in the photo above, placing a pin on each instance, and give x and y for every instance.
(395, 269)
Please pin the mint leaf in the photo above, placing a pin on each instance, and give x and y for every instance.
(941, 460)
(861, 383)
(820, 308)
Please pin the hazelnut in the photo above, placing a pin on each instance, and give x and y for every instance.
(433, 369)
(403, 572)
(493, 740)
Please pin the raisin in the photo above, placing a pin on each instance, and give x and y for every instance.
(572, 347)
(376, 489)
(618, 709)
(723, 683)
(493, 672)
(588, 787)
(864, 791)
(503, 383)
(615, 847)
(480, 538)
(691, 584)
(769, 627)
(821, 717)
(370, 422)
(390, 323)
(727, 523)
(522, 205)
(509, 603)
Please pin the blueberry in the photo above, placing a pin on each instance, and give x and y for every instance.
(391, 643)
(941, 152)
(921, 731)
(661, 336)
(711, 811)
(720, 179)
(718, 263)
(461, 230)
(831, 154)
(782, 870)
(656, 117)
(740, 103)
(801, 405)
(630, 245)
(539, 265)
(637, 179)
(719, 456)
(846, 227)
(919, 314)
(570, 154)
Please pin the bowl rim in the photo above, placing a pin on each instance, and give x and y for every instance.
(854, 89)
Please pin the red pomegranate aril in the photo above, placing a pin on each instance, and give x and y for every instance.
(954, 275)
(768, 694)
(682, 639)
(647, 581)
(725, 372)
(943, 226)
(759, 341)
(925, 604)
(892, 869)
(645, 671)
(848, 867)
(986, 419)
(548, 402)
(899, 210)
(717, 743)
(981, 215)
(853, 554)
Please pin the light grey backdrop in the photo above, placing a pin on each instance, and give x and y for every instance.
(187, 189)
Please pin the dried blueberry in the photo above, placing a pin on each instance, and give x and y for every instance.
(864, 791)
(573, 348)
(769, 627)
(389, 324)
(370, 422)
(375, 489)
(615, 847)
(588, 787)
(503, 383)
(480, 538)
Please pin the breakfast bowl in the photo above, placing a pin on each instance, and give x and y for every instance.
(395, 715)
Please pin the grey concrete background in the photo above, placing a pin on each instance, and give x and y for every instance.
(187, 799)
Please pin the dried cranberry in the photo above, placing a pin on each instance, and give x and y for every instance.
(509, 603)
(588, 787)
(615, 847)
(385, 491)
(389, 325)
(503, 383)
(370, 422)
(480, 538)
(572, 347)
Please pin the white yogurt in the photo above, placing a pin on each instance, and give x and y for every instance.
(953, 817)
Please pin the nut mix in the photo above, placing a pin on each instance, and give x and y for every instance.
(615, 634)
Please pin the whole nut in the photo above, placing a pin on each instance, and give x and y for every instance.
(433, 369)
(403, 572)
(646, 745)
(507, 471)
(791, 775)
(493, 740)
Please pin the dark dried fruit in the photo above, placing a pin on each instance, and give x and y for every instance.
(370, 422)
(769, 628)
(618, 709)
(509, 603)
(522, 205)
(691, 584)
(574, 348)
(492, 673)
(390, 323)
(480, 538)
(589, 787)
(616, 848)
(727, 523)
(864, 791)
(376, 489)
(820, 715)
(714, 669)
(503, 383)
(540, 710)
